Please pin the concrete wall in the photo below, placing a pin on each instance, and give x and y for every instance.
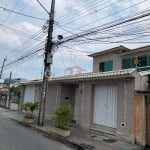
(63, 94)
(83, 102)
(116, 61)
(51, 100)
(125, 114)
(67, 95)
(125, 108)
(141, 83)
(57, 95)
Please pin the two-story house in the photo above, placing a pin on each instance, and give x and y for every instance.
(114, 98)
(121, 58)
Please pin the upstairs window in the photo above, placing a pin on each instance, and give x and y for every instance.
(127, 63)
(106, 66)
(143, 63)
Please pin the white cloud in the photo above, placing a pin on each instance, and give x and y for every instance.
(9, 38)
(64, 58)
(60, 5)
(27, 27)
(66, 7)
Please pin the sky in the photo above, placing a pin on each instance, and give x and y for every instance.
(20, 35)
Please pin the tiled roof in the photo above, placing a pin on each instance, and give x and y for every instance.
(95, 76)
(87, 76)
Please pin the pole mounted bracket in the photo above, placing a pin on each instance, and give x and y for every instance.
(49, 58)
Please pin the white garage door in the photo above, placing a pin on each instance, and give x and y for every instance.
(29, 93)
(105, 105)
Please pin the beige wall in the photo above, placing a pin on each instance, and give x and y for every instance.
(62, 94)
(117, 59)
(114, 57)
(125, 107)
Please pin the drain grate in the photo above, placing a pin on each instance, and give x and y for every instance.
(110, 140)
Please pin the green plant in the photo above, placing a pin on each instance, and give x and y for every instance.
(62, 117)
(29, 109)
(15, 90)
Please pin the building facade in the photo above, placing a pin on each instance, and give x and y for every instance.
(114, 98)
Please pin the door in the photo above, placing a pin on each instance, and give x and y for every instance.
(29, 93)
(105, 105)
(148, 120)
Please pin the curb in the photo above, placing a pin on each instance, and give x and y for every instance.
(57, 138)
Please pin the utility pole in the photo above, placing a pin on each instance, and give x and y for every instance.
(47, 65)
(9, 89)
(2, 67)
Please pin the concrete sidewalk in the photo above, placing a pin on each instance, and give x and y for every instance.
(81, 138)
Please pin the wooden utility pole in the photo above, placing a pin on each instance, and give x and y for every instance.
(47, 65)
(9, 94)
(2, 67)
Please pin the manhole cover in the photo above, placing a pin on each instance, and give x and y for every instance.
(109, 140)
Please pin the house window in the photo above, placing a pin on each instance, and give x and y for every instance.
(106, 66)
(127, 63)
(143, 63)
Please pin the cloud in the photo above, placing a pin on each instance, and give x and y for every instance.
(30, 69)
(27, 27)
(12, 39)
(64, 58)
(9, 38)
(60, 5)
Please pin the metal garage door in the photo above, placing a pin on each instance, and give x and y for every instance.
(105, 105)
(29, 93)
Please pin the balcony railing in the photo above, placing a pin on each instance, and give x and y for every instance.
(145, 68)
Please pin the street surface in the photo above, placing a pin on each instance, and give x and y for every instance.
(16, 137)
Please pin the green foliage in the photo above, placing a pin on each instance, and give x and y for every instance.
(29, 109)
(62, 117)
(15, 90)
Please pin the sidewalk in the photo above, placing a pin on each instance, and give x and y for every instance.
(83, 139)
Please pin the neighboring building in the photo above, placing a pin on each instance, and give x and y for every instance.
(3, 95)
(14, 81)
(114, 99)
(121, 58)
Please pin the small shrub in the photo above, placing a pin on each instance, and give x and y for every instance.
(62, 117)
(29, 109)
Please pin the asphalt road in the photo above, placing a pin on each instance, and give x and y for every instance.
(16, 137)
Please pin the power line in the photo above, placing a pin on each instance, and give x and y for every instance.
(25, 15)
(76, 15)
(42, 6)
(108, 26)
(102, 18)
(18, 2)
(18, 31)
(25, 42)
(23, 57)
(82, 8)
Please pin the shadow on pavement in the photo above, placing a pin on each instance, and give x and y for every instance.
(147, 148)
